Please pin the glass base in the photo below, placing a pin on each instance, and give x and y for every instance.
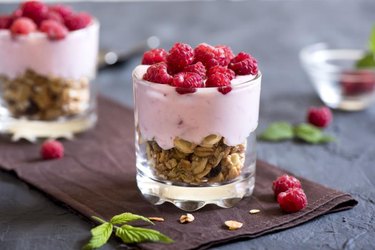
(191, 198)
(350, 103)
(32, 130)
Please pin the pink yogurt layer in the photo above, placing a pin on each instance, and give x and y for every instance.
(73, 57)
(162, 114)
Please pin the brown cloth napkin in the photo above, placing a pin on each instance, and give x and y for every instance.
(97, 177)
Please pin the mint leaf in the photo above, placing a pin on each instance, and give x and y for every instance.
(100, 236)
(367, 61)
(311, 134)
(130, 234)
(277, 131)
(372, 41)
(128, 217)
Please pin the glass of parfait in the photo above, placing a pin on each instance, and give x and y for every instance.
(48, 56)
(196, 112)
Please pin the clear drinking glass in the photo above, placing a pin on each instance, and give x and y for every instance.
(46, 87)
(198, 148)
(338, 83)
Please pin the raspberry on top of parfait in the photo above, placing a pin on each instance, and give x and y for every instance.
(56, 21)
(204, 66)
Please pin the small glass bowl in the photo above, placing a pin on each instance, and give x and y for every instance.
(338, 83)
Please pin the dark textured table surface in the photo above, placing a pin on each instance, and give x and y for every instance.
(274, 32)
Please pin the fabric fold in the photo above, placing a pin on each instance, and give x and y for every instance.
(97, 177)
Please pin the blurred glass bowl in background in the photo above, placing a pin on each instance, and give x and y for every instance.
(334, 76)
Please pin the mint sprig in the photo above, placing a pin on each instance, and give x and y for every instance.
(129, 234)
(278, 131)
(281, 131)
(368, 59)
(100, 236)
(311, 134)
(128, 217)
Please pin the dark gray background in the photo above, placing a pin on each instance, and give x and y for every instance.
(274, 32)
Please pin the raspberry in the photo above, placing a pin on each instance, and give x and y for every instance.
(223, 70)
(320, 117)
(187, 82)
(78, 21)
(221, 81)
(285, 182)
(196, 68)
(22, 26)
(17, 13)
(63, 10)
(228, 53)
(292, 200)
(158, 73)
(357, 82)
(35, 10)
(52, 149)
(53, 15)
(244, 64)
(154, 56)
(209, 55)
(5, 22)
(180, 55)
(54, 29)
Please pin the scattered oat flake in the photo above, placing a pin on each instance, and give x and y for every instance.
(159, 219)
(233, 225)
(186, 218)
(254, 211)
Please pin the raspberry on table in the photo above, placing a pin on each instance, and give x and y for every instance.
(52, 149)
(319, 116)
(180, 56)
(209, 55)
(221, 81)
(292, 200)
(63, 10)
(223, 70)
(78, 21)
(228, 53)
(35, 10)
(187, 82)
(154, 56)
(5, 22)
(244, 64)
(158, 73)
(196, 68)
(285, 182)
(22, 26)
(54, 29)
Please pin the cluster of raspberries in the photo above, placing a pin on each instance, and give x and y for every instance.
(204, 66)
(54, 20)
(289, 193)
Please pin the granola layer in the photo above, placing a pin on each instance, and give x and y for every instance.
(212, 161)
(39, 97)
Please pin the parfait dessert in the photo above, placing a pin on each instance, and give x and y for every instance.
(196, 111)
(48, 58)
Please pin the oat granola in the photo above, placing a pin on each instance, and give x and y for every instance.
(40, 97)
(186, 218)
(211, 161)
(233, 225)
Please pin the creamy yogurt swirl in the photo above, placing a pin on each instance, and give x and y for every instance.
(162, 114)
(73, 57)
